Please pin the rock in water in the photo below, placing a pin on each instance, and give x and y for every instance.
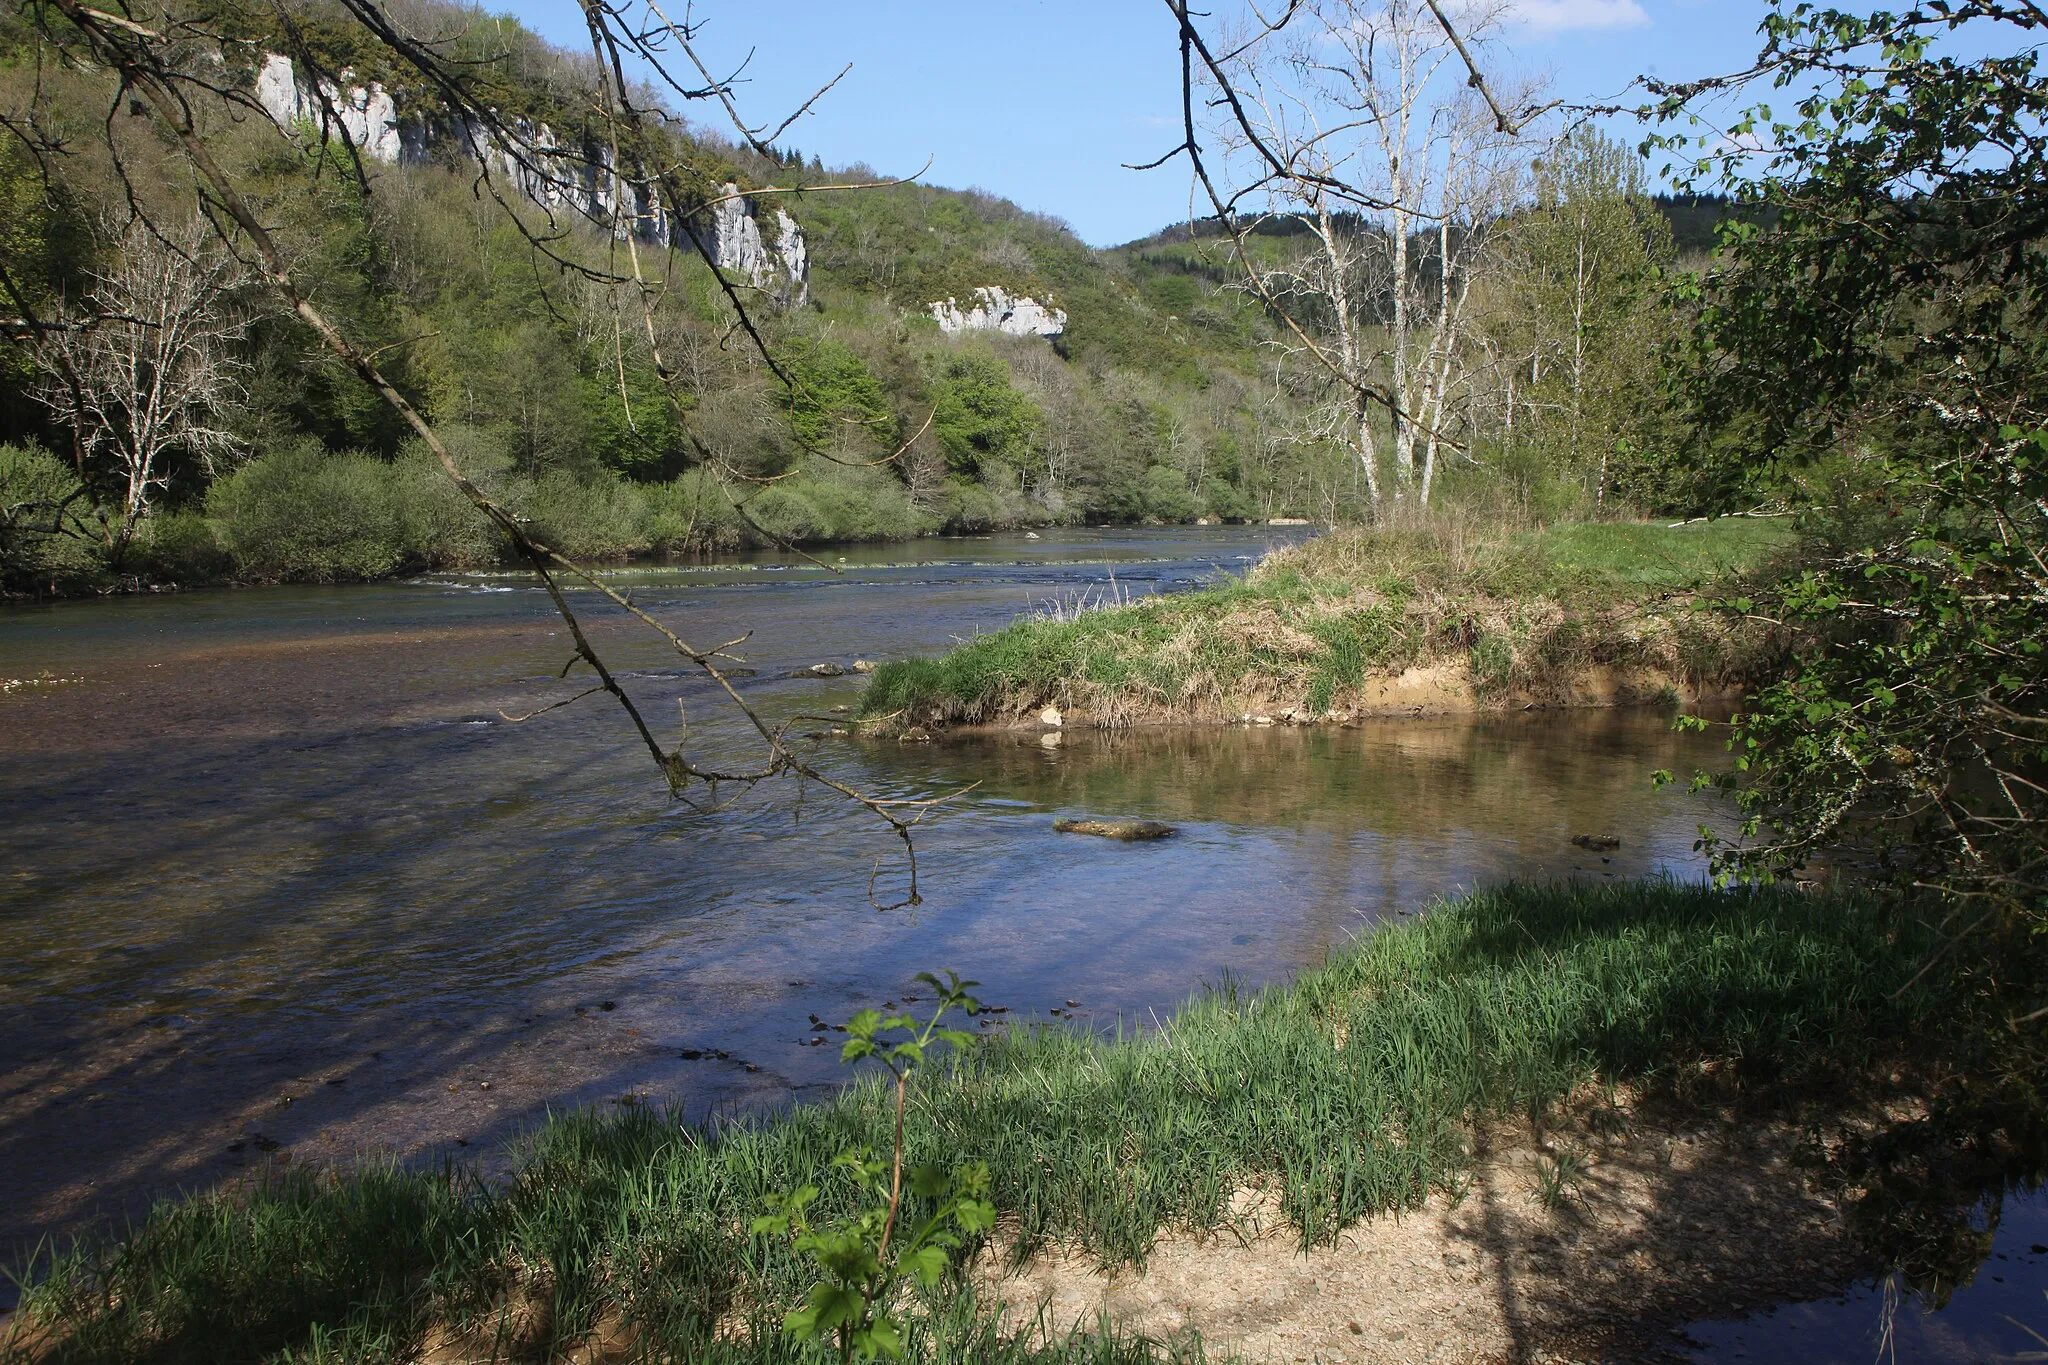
(1129, 831)
(1599, 843)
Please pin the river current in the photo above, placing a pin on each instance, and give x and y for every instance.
(277, 879)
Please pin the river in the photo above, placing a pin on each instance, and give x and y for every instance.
(279, 880)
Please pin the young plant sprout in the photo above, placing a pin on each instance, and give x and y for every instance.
(868, 1258)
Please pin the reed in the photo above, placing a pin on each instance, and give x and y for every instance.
(1352, 1090)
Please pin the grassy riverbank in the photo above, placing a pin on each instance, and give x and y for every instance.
(1359, 622)
(1353, 1090)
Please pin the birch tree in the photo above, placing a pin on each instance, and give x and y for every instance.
(1359, 120)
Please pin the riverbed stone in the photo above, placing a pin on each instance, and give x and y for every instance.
(1129, 831)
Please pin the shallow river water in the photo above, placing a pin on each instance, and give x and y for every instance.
(275, 877)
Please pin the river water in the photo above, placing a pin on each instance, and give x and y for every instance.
(276, 880)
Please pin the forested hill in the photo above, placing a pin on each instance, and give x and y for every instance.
(1128, 396)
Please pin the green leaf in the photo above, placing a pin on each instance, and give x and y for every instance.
(926, 1265)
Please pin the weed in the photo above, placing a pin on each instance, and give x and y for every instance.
(1560, 1177)
(863, 1261)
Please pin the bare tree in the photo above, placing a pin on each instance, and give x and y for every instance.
(1369, 124)
(149, 372)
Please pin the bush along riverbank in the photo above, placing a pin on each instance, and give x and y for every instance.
(1367, 1085)
(1361, 623)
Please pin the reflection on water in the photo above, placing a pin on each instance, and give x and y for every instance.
(276, 876)
(2001, 1314)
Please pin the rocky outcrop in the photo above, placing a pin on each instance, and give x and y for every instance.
(366, 113)
(559, 177)
(737, 245)
(995, 309)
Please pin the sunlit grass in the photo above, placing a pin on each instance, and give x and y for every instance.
(1510, 611)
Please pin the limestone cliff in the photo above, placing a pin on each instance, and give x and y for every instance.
(995, 309)
(544, 170)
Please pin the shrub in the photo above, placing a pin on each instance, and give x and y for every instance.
(180, 547)
(589, 518)
(442, 528)
(691, 513)
(46, 540)
(300, 513)
(1165, 495)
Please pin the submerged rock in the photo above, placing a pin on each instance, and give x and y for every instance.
(1130, 831)
(819, 671)
(1599, 843)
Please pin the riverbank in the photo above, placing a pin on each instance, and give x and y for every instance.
(1364, 623)
(1370, 1085)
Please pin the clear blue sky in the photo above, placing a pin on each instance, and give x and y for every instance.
(1044, 101)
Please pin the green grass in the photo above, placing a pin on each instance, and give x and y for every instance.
(1518, 611)
(1661, 556)
(1352, 1090)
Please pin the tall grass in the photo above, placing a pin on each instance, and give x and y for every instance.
(1351, 1090)
(1520, 612)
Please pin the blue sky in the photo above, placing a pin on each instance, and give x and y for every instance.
(1044, 101)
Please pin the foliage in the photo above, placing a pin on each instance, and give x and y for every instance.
(1873, 348)
(981, 422)
(834, 399)
(1582, 301)
(856, 1302)
(46, 533)
(302, 513)
(1347, 1092)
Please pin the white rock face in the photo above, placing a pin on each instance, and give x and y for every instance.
(546, 172)
(795, 256)
(736, 237)
(736, 245)
(994, 309)
(367, 113)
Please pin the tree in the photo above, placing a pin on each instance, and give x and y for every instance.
(982, 423)
(1873, 340)
(149, 372)
(1357, 120)
(1578, 313)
